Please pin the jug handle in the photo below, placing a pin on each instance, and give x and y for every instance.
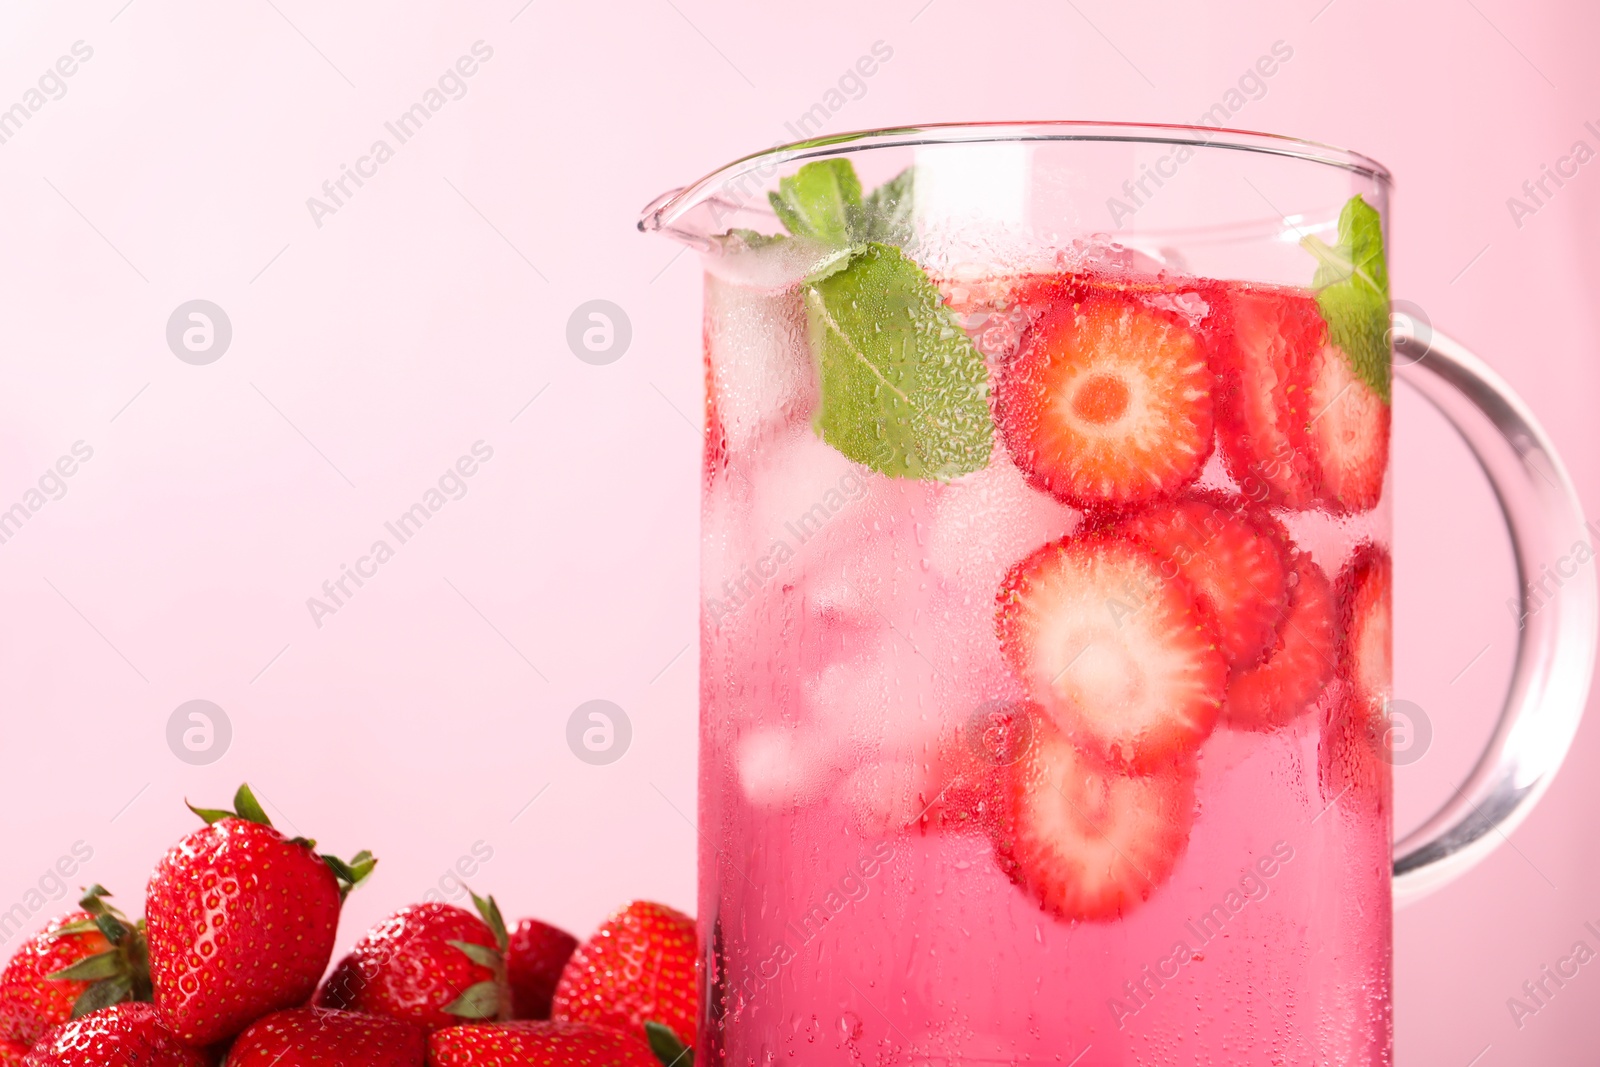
(1556, 637)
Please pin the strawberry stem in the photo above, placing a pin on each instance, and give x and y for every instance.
(120, 973)
(350, 873)
(489, 999)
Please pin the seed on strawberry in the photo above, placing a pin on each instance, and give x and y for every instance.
(534, 960)
(1354, 760)
(1271, 336)
(12, 1053)
(119, 1036)
(539, 1044)
(1238, 572)
(80, 963)
(1089, 842)
(241, 921)
(1108, 401)
(1117, 652)
(1299, 663)
(639, 967)
(430, 964)
(319, 1037)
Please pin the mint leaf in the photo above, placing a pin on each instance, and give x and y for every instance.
(752, 239)
(887, 212)
(1352, 283)
(904, 390)
(821, 200)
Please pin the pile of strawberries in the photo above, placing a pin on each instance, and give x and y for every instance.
(1180, 603)
(228, 968)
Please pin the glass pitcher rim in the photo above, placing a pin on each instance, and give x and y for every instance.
(661, 212)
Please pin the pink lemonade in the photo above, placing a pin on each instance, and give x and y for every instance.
(1073, 757)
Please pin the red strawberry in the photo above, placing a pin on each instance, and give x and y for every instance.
(1354, 754)
(639, 967)
(80, 963)
(13, 1052)
(1117, 651)
(317, 1037)
(1108, 401)
(1086, 841)
(1298, 665)
(124, 1035)
(1238, 573)
(431, 964)
(241, 921)
(1272, 335)
(539, 1044)
(534, 960)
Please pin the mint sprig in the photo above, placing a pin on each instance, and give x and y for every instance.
(903, 389)
(1352, 287)
(821, 200)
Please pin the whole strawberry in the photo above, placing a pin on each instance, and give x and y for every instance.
(431, 964)
(241, 921)
(317, 1037)
(123, 1035)
(81, 962)
(531, 1043)
(534, 961)
(639, 967)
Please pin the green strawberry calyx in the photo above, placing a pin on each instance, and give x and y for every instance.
(349, 873)
(671, 1051)
(491, 998)
(122, 972)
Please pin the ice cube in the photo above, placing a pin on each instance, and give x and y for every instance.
(986, 521)
(889, 796)
(761, 373)
(784, 766)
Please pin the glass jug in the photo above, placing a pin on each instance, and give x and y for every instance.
(1045, 646)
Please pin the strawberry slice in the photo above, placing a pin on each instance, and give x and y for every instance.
(1297, 427)
(1299, 662)
(1354, 758)
(1088, 842)
(1108, 400)
(1271, 336)
(1348, 433)
(1238, 573)
(1117, 651)
(1366, 594)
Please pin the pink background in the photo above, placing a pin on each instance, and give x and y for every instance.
(372, 351)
